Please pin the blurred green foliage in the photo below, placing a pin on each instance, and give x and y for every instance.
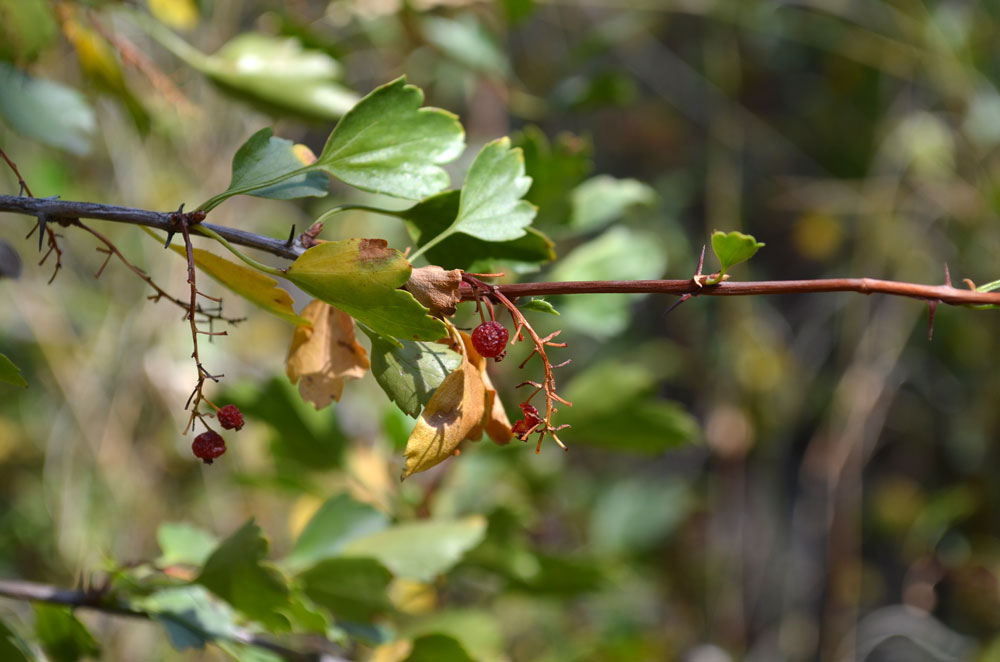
(759, 479)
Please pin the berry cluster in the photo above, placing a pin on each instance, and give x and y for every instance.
(209, 444)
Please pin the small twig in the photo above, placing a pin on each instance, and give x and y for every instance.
(17, 173)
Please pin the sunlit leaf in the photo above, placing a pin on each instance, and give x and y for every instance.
(362, 277)
(46, 111)
(10, 373)
(325, 355)
(388, 144)
(423, 549)
(733, 248)
(236, 572)
(538, 305)
(602, 199)
(337, 522)
(190, 615)
(250, 284)
(178, 14)
(181, 542)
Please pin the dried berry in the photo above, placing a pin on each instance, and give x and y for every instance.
(490, 339)
(230, 417)
(208, 445)
(531, 419)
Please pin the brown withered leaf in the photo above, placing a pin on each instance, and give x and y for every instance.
(455, 409)
(495, 422)
(436, 289)
(322, 357)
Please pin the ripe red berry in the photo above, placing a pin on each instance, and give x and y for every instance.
(490, 339)
(230, 417)
(208, 445)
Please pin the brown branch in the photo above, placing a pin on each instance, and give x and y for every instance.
(100, 601)
(942, 293)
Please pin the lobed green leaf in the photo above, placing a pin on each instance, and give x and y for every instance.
(733, 248)
(409, 372)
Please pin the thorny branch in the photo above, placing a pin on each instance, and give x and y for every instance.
(103, 602)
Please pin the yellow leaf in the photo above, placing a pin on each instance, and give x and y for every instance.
(323, 356)
(494, 422)
(452, 413)
(179, 14)
(249, 283)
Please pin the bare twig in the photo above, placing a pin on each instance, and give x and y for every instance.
(101, 601)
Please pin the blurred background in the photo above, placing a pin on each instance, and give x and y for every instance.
(783, 478)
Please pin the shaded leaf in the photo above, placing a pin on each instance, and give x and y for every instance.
(337, 522)
(733, 248)
(432, 216)
(602, 199)
(351, 588)
(451, 415)
(421, 550)
(436, 289)
(26, 27)
(190, 615)
(63, 637)
(46, 111)
(252, 285)
(466, 41)
(478, 630)
(263, 158)
(325, 355)
(10, 373)
(409, 372)
(554, 168)
(388, 144)
(182, 543)
(633, 515)
(362, 277)
(437, 648)
(12, 647)
(235, 572)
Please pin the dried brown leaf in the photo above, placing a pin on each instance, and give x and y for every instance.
(436, 289)
(322, 357)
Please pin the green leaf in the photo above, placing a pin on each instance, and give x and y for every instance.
(273, 73)
(539, 306)
(12, 647)
(388, 144)
(602, 199)
(190, 615)
(617, 254)
(733, 248)
(434, 215)
(26, 27)
(437, 648)
(337, 522)
(635, 515)
(46, 111)
(63, 637)
(362, 277)
(409, 372)
(466, 41)
(250, 284)
(555, 169)
(264, 158)
(351, 588)
(183, 543)
(10, 373)
(421, 550)
(490, 205)
(615, 406)
(236, 573)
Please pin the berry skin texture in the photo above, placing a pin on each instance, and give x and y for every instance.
(230, 417)
(208, 445)
(490, 339)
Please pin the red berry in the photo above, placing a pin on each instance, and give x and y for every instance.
(531, 416)
(208, 446)
(490, 339)
(230, 417)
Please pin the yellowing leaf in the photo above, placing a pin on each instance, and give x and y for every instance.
(494, 422)
(322, 357)
(249, 283)
(453, 412)
(179, 14)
